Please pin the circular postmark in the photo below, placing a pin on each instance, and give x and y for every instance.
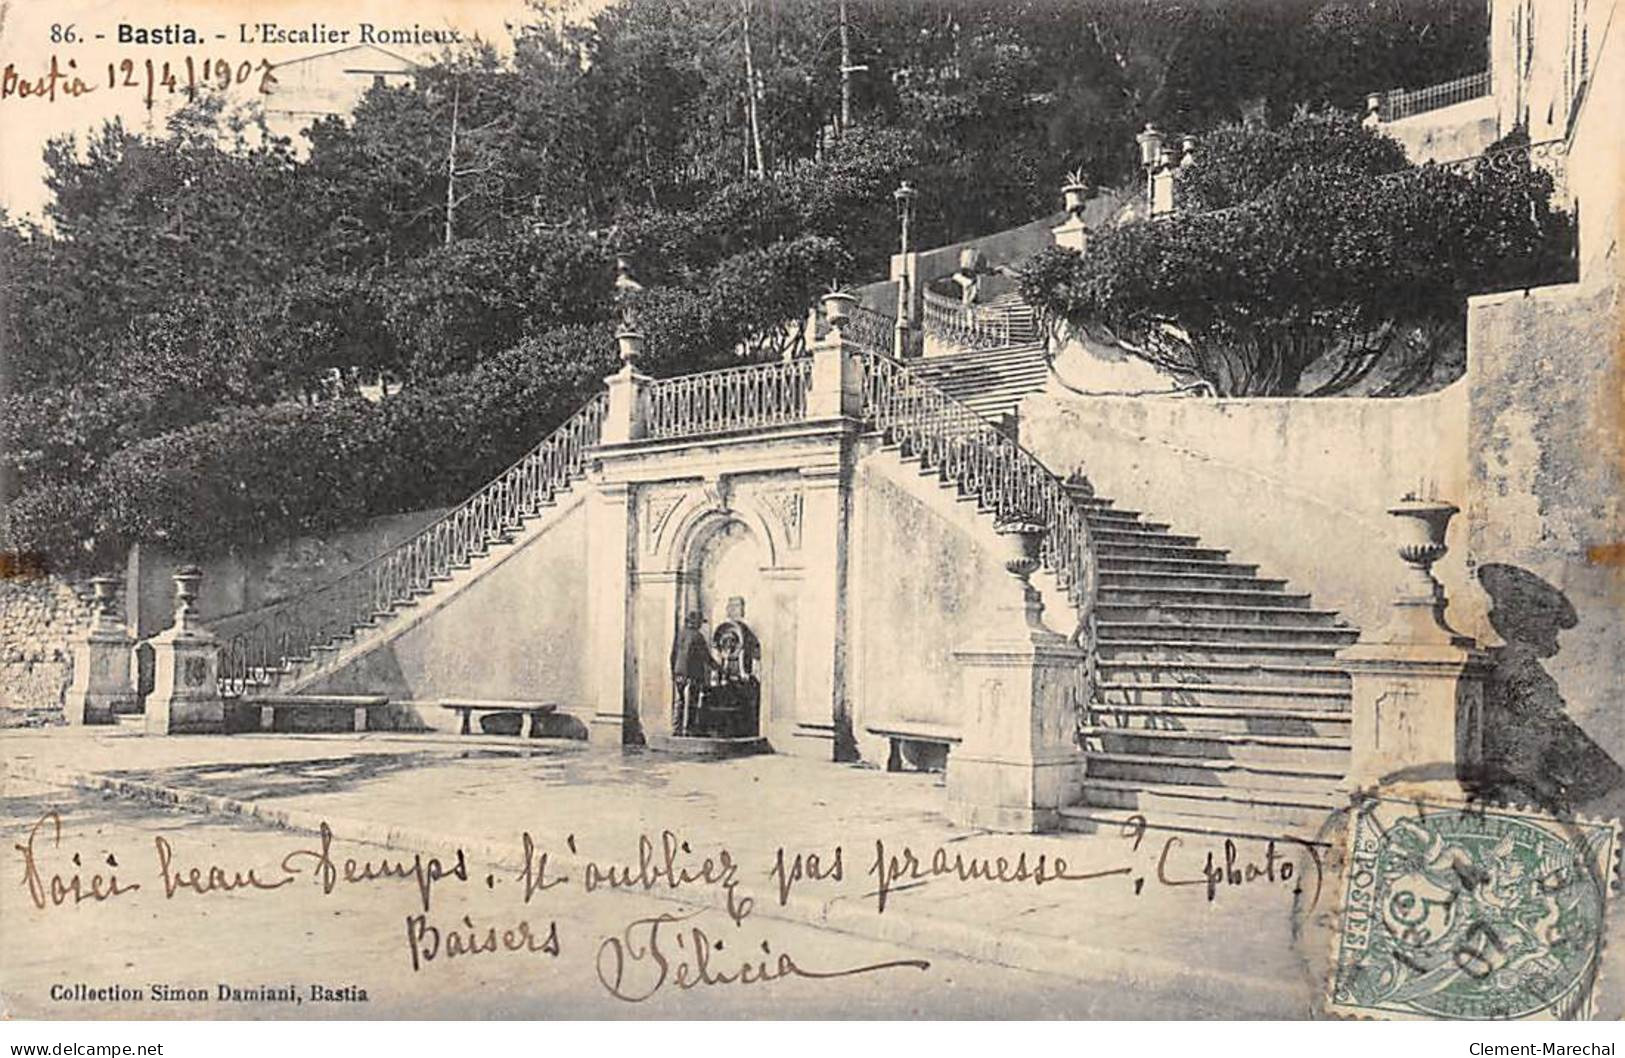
(1455, 910)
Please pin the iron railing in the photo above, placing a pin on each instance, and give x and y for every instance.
(1398, 103)
(1549, 155)
(735, 398)
(945, 435)
(866, 330)
(993, 326)
(259, 645)
(870, 331)
(1008, 481)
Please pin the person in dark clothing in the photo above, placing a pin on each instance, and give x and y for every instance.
(691, 666)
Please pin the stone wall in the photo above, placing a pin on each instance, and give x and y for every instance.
(37, 615)
(240, 583)
(516, 632)
(1447, 134)
(926, 579)
(1547, 511)
(1298, 485)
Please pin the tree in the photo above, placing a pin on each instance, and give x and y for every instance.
(1325, 265)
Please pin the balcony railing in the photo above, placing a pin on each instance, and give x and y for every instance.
(978, 326)
(259, 644)
(736, 398)
(1397, 103)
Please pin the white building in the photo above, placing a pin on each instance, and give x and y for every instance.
(329, 83)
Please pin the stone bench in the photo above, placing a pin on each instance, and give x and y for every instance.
(269, 705)
(467, 707)
(926, 744)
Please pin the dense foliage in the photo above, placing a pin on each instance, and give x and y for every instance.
(192, 327)
(1326, 260)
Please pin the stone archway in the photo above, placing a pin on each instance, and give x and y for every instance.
(721, 566)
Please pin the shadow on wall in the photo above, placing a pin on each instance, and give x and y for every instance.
(1532, 750)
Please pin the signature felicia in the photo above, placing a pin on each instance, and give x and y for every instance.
(654, 952)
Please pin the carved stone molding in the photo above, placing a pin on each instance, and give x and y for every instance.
(658, 508)
(786, 506)
(718, 493)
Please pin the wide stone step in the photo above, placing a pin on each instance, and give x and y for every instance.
(1145, 536)
(1108, 518)
(1158, 670)
(1212, 811)
(1160, 595)
(1235, 719)
(1311, 774)
(1116, 579)
(1260, 696)
(1117, 554)
(1128, 565)
(1279, 750)
(1286, 634)
(1183, 613)
(1181, 650)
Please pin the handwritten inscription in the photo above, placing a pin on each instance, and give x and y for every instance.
(66, 79)
(650, 953)
(906, 866)
(74, 886)
(646, 957)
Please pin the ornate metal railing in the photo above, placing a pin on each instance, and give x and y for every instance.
(870, 331)
(866, 330)
(736, 398)
(991, 326)
(1396, 103)
(258, 644)
(1008, 481)
(1549, 155)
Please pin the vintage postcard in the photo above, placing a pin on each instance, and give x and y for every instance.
(817, 509)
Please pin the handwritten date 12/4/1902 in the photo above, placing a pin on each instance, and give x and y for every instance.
(189, 76)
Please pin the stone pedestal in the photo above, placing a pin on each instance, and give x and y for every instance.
(1072, 234)
(1418, 685)
(624, 420)
(1018, 764)
(1418, 716)
(836, 386)
(101, 665)
(185, 696)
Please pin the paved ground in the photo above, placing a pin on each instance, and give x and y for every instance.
(1112, 940)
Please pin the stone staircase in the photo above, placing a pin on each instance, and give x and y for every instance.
(1219, 705)
(991, 382)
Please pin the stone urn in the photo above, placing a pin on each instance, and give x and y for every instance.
(1420, 531)
(630, 341)
(103, 592)
(1075, 193)
(838, 307)
(187, 580)
(1023, 540)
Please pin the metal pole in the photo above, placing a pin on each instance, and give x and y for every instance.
(846, 73)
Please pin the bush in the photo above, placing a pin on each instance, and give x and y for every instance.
(252, 476)
(1331, 263)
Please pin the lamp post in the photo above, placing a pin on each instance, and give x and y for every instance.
(1150, 141)
(904, 196)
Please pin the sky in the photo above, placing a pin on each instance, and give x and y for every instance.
(27, 50)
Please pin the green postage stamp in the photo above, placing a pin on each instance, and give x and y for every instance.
(1471, 912)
